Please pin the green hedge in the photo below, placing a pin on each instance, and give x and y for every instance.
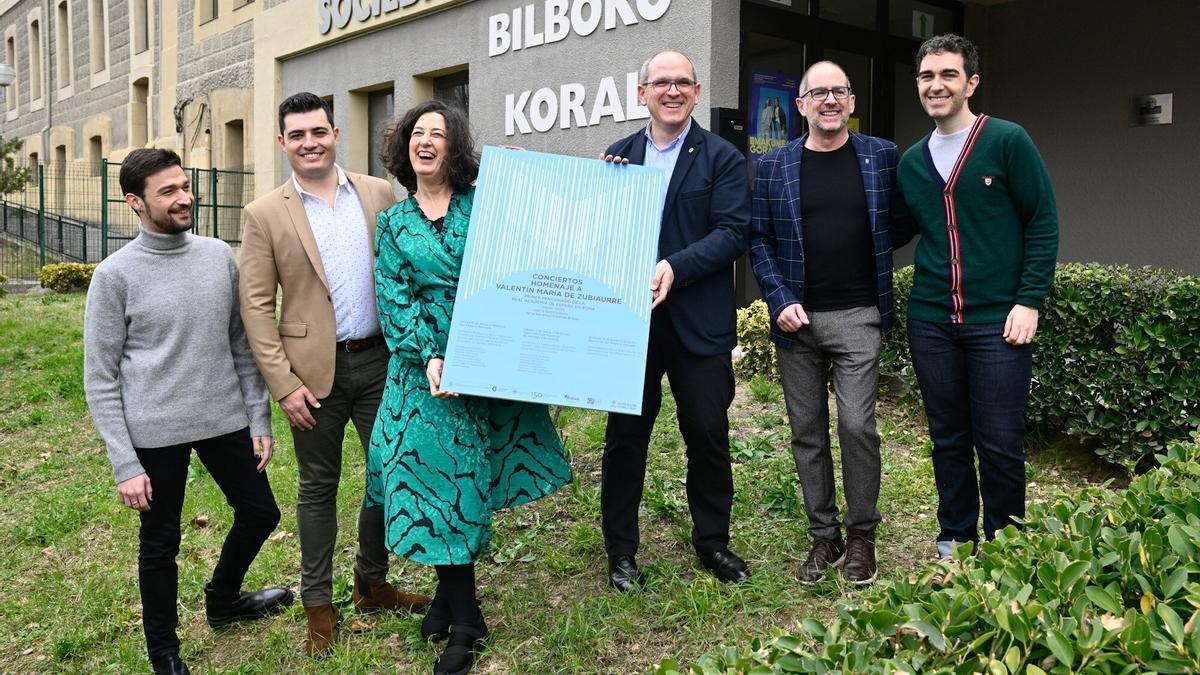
(1116, 359)
(1103, 582)
(67, 277)
(1114, 365)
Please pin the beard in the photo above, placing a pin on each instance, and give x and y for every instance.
(167, 223)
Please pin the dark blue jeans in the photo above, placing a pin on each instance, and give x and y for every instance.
(975, 387)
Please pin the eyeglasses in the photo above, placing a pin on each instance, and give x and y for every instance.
(683, 86)
(821, 93)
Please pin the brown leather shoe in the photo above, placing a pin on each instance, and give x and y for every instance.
(374, 599)
(824, 553)
(860, 566)
(322, 629)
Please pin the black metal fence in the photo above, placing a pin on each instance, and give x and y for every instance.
(75, 212)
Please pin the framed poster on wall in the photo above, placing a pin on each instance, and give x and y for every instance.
(773, 116)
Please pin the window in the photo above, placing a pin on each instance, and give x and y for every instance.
(207, 10)
(10, 93)
(235, 140)
(139, 113)
(141, 25)
(454, 88)
(58, 179)
(380, 108)
(799, 6)
(36, 78)
(919, 20)
(98, 24)
(62, 41)
(95, 153)
(859, 13)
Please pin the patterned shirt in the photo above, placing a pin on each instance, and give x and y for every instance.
(345, 245)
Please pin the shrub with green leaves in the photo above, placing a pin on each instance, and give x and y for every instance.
(67, 277)
(895, 360)
(1114, 363)
(754, 339)
(3, 290)
(1102, 582)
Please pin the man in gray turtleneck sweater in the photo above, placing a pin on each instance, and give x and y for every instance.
(167, 370)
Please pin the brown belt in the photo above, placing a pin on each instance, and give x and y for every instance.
(364, 344)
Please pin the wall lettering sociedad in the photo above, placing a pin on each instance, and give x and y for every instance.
(337, 13)
(567, 105)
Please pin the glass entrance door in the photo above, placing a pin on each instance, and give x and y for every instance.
(874, 41)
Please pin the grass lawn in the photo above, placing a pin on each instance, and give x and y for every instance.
(68, 570)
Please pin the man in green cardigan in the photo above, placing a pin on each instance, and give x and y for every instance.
(978, 193)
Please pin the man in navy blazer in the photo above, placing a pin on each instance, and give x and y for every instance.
(706, 216)
(822, 253)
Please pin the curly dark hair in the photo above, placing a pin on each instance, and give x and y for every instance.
(462, 160)
(954, 44)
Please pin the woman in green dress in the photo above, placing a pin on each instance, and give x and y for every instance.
(445, 462)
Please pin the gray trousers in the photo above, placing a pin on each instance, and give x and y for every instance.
(845, 343)
(357, 391)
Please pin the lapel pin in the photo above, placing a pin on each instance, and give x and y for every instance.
(691, 150)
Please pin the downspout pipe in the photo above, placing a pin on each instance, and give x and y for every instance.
(47, 88)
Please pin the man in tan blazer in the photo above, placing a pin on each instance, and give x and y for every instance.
(325, 360)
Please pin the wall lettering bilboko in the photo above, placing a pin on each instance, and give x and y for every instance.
(568, 105)
(524, 28)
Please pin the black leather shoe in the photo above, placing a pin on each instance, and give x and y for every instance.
(467, 642)
(623, 573)
(223, 609)
(170, 664)
(725, 565)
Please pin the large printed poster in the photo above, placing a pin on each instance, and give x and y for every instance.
(553, 302)
(773, 114)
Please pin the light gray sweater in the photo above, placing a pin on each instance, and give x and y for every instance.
(165, 357)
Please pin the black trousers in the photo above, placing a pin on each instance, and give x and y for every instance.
(703, 388)
(230, 459)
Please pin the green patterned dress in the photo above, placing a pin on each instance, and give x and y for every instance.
(441, 467)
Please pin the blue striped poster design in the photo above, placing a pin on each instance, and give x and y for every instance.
(553, 302)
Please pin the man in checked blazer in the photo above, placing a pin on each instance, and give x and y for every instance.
(822, 254)
(325, 360)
